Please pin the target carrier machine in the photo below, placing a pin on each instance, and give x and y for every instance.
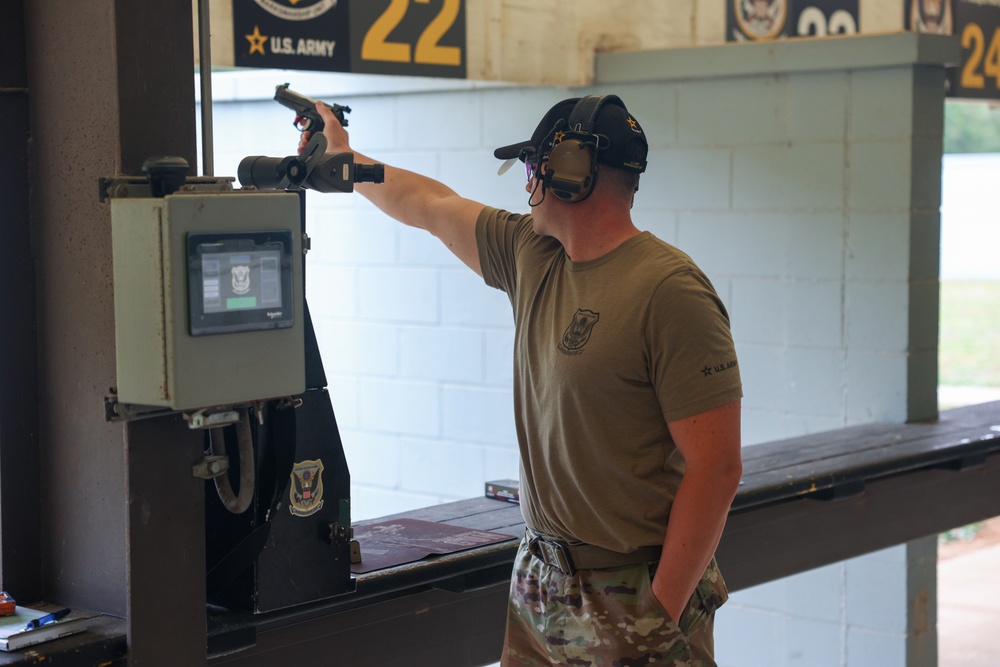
(211, 321)
(208, 298)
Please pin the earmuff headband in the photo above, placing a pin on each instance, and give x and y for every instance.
(571, 171)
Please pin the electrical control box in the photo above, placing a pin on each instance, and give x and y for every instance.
(209, 304)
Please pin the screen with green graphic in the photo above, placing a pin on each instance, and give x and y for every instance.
(239, 282)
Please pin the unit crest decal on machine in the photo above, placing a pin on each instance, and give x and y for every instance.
(306, 492)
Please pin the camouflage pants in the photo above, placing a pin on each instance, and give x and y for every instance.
(605, 618)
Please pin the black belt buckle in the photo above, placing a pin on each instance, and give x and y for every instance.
(555, 554)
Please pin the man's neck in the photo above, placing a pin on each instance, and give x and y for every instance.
(583, 248)
(592, 228)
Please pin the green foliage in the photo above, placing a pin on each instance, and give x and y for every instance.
(970, 334)
(971, 127)
(963, 534)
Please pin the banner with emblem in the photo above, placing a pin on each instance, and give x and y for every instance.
(764, 20)
(404, 37)
(977, 23)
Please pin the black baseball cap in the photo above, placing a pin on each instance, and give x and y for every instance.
(626, 145)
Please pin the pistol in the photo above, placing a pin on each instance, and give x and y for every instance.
(306, 117)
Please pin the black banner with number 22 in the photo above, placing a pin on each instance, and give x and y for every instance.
(404, 37)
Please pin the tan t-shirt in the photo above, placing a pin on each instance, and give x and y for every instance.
(606, 352)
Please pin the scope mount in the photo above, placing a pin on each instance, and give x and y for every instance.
(313, 168)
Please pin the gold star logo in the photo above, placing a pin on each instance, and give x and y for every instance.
(559, 136)
(631, 121)
(257, 41)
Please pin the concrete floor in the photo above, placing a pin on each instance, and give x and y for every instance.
(969, 577)
(969, 605)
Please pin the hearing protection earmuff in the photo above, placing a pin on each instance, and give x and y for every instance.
(571, 165)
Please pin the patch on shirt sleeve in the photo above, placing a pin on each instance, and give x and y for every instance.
(715, 369)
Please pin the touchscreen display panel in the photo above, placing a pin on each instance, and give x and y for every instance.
(239, 281)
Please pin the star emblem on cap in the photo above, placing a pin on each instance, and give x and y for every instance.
(559, 136)
(632, 122)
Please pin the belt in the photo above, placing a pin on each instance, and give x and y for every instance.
(569, 558)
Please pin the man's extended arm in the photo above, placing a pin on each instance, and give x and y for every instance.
(710, 444)
(413, 199)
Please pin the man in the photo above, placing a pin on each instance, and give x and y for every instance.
(626, 388)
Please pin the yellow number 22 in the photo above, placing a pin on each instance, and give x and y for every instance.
(428, 51)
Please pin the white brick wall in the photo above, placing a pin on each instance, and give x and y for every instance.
(847, 613)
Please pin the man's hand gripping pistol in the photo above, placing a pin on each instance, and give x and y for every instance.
(306, 117)
(313, 168)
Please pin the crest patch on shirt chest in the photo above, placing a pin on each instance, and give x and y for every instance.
(578, 332)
